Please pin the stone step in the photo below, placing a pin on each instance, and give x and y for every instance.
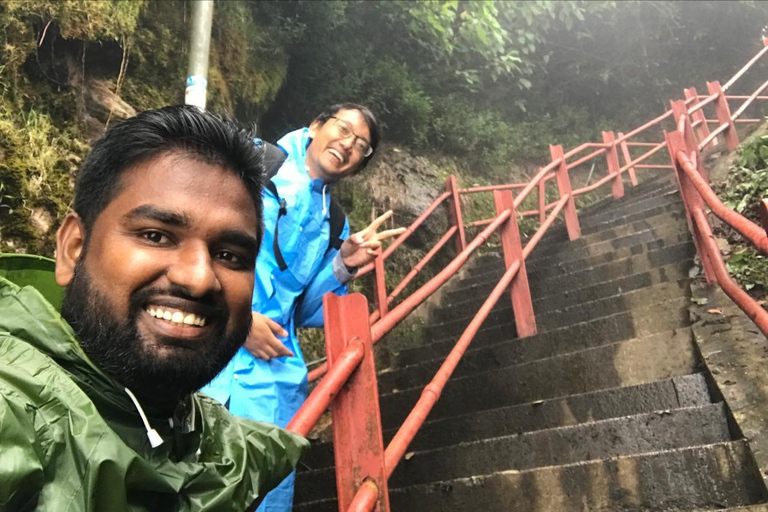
(668, 273)
(653, 319)
(574, 313)
(697, 478)
(664, 236)
(510, 353)
(679, 392)
(712, 476)
(628, 435)
(633, 234)
(632, 195)
(587, 219)
(612, 229)
(626, 363)
(624, 209)
(749, 508)
(607, 229)
(563, 258)
(601, 273)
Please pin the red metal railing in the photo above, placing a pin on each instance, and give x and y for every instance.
(362, 464)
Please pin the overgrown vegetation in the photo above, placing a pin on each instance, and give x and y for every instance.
(743, 191)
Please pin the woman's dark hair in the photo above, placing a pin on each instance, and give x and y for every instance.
(370, 120)
(184, 130)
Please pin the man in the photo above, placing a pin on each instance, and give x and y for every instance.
(297, 265)
(97, 405)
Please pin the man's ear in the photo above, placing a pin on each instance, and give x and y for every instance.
(314, 127)
(70, 240)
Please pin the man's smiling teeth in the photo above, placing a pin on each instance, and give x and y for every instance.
(336, 154)
(176, 316)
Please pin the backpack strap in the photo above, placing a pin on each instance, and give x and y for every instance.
(337, 220)
(274, 157)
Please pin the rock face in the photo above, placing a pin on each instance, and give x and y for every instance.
(103, 106)
(401, 182)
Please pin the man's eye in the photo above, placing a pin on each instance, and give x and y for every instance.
(230, 257)
(155, 237)
(343, 130)
(362, 147)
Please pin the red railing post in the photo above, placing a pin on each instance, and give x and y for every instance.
(564, 187)
(454, 212)
(627, 160)
(522, 304)
(542, 201)
(724, 115)
(702, 130)
(612, 156)
(380, 285)
(679, 109)
(357, 439)
(691, 198)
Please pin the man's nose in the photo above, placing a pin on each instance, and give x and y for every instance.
(193, 269)
(347, 142)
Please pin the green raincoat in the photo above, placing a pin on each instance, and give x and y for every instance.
(72, 440)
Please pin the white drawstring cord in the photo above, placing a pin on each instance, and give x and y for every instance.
(154, 438)
(325, 210)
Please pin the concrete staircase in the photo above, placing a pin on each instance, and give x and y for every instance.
(608, 408)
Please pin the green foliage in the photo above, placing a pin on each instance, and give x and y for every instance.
(747, 183)
(744, 188)
(37, 164)
(749, 268)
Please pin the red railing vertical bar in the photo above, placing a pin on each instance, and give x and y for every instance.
(691, 200)
(564, 187)
(612, 157)
(522, 304)
(542, 201)
(380, 284)
(357, 439)
(454, 213)
(628, 160)
(702, 130)
(724, 115)
(681, 112)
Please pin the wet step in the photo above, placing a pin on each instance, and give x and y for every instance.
(668, 235)
(668, 273)
(574, 313)
(621, 364)
(629, 435)
(705, 477)
(679, 392)
(698, 478)
(656, 318)
(598, 273)
(513, 352)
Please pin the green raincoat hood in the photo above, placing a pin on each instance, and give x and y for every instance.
(71, 439)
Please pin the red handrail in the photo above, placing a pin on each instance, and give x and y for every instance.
(749, 100)
(326, 390)
(368, 493)
(741, 298)
(408, 232)
(491, 188)
(748, 229)
(399, 312)
(366, 497)
(396, 448)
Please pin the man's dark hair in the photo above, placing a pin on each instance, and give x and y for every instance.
(185, 130)
(370, 120)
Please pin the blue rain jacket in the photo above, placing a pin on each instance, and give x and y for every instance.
(274, 390)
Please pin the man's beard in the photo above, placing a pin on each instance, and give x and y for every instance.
(119, 350)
